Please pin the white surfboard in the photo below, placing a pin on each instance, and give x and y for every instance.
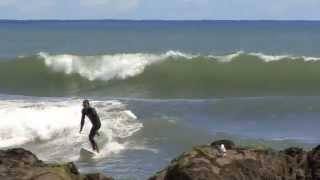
(86, 154)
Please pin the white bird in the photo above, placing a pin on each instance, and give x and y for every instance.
(223, 150)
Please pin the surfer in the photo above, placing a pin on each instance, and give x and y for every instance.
(92, 114)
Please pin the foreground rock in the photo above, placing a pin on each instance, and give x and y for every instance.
(206, 163)
(19, 164)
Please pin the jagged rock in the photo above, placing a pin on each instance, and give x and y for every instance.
(204, 163)
(20, 164)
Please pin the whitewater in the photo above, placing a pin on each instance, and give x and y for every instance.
(51, 127)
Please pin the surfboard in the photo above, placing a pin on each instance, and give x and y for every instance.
(86, 154)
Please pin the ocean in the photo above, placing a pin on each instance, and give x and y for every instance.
(160, 88)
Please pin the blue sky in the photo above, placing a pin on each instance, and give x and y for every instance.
(160, 9)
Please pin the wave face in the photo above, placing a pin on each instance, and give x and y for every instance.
(168, 75)
(51, 128)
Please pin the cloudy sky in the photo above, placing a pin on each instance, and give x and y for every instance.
(160, 9)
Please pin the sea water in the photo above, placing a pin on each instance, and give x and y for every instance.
(160, 87)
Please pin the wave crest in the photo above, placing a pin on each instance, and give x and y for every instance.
(122, 66)
(104, 67)
(170, 74)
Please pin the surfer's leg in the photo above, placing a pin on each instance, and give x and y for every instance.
(91, 138)
(97, 133)
(97, 148)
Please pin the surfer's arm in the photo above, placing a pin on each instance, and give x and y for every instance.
(82, 121)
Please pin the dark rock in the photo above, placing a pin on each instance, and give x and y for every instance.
(314, 163)
(204, 163)
(294, 151)
(73, 168)
(18, 155)
(96, 177)
(20, 164)
(227, 143)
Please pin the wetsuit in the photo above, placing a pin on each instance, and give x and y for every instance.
(92, 114)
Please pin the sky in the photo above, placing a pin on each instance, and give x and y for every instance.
(161, 9)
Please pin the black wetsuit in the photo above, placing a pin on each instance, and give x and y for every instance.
(92, 114)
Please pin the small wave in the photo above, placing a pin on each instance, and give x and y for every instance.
(179, 54)
(261, 56)
(228, 57)
(269, 58)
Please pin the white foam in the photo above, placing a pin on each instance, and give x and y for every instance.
(269, 58)
(227, 58)
(106, 67)
(178, 54)
(51, 129)
(263, 57)
(310, 58)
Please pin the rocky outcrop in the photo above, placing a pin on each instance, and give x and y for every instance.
(19, 164)
(201, 163)
(206, 163)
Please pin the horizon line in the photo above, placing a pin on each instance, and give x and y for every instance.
(302, 20)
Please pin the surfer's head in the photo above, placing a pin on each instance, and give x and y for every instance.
(85, 103)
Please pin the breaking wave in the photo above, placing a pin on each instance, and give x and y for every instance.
(122, 66)
(169, 74)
